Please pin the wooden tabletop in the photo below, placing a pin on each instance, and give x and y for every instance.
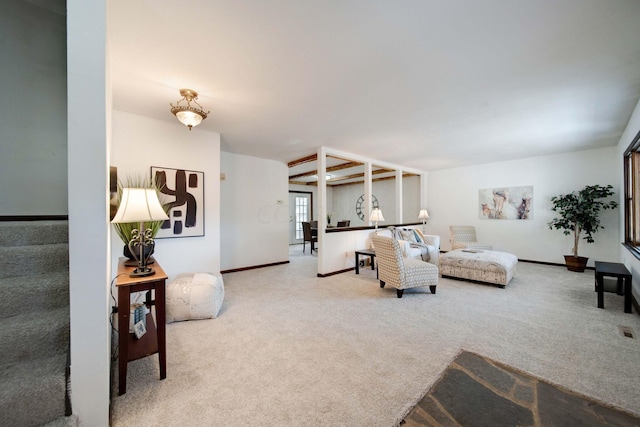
(124, 279)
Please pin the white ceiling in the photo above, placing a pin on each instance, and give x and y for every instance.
(428, 84)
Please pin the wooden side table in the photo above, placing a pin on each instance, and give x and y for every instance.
(154, 341)
(620, 272)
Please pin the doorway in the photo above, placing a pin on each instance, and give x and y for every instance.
(300, 210)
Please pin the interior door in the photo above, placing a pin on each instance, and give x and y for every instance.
(299, 212)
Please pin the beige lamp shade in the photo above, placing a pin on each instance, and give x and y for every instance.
(423, 214)
(139, 205)
(376, 215)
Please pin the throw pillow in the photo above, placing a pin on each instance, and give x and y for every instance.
(408, 235)
(421, 237)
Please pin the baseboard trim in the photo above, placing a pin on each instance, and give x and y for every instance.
(34, 218)
(333, 273)
(253, 267)
(555, 264)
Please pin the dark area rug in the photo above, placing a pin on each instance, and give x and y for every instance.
(476, 391)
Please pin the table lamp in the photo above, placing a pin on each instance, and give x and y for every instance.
(424, 216)
(140, 205)
(376, 215)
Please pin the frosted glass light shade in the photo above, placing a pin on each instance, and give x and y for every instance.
(189, 118)
(423, 214)
(139, 205)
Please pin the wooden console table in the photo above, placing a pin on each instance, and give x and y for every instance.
(154, 341)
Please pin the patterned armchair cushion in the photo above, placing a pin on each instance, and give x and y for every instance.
(401, 272)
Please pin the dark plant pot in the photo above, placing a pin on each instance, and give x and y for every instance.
(148, 251)
(576, 263)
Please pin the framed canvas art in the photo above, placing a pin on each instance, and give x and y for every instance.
(506, 203)
(183, 193)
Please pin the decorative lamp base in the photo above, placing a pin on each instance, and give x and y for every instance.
(134, 263)
(142, 272)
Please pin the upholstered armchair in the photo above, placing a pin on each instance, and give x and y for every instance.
(464, 236)
(399, 271)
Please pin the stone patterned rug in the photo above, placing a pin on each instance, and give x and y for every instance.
(476, 391)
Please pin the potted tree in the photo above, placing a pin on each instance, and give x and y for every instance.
(579, 212)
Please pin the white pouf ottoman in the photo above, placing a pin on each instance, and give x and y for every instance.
(479, 265)
(194, 296)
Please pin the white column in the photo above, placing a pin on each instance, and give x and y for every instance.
(88, 115)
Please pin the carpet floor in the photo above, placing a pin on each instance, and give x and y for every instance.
(476, 391)
(289, 348)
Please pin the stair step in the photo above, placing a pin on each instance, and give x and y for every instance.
(34, 335)
(33, 293)
(34, 259)
(33, 391)
(70, 421)
(25, 233)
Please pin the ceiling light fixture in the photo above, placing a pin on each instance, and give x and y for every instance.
(189, 115)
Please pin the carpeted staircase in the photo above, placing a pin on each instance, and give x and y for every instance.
(34, 322)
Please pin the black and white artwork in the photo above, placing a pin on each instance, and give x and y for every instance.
(183, 193)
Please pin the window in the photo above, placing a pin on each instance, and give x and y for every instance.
(632, 196)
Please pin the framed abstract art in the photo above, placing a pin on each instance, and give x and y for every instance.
(183, 195)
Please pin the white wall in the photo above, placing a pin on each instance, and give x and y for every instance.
(33, 115)
(256, 225)
(629, 260)
(453, 200)
(342, 202)
(410, 199)
(139, 143)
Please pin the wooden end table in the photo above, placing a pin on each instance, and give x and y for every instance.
(154, 341)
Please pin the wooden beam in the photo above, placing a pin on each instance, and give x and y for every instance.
(329, 169)
(311, 158)
(404, 175)
(343, 166)
(303, 183)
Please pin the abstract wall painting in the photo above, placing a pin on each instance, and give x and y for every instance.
(506, 203)
(113, 191)
(183, 192)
